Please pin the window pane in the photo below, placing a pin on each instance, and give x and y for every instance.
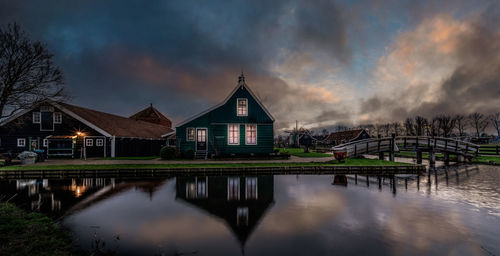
(251, 134)
(242, 109)
(233, 134)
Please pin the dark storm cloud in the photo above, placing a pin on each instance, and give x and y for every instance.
(183, 56)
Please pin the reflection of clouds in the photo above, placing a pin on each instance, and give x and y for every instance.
(413, 225)
(309, 209)
(180, 228)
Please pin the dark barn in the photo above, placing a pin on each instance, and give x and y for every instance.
(65, 130)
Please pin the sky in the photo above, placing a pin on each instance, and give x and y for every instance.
(319, 62)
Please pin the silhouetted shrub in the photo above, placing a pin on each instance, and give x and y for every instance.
(167, 153)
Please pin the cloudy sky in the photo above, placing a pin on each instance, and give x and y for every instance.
(319, 62)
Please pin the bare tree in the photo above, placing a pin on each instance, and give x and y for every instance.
(386, 129)
(27, 72)
(495, 120)
(420, 124)
(460, 124)
(446, 124)
(396, 128)
(478, 123)
(409, 127)
(433, 127)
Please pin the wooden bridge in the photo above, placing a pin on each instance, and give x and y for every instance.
(464, 150)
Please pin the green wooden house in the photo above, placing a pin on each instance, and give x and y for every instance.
(240, 125)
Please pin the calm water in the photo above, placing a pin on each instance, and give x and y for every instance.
(453, 212)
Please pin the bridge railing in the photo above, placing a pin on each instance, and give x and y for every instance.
(437, 144)
(366, 146)
(424, 143)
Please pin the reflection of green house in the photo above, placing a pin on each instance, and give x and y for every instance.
(240, 125)
(240, 201)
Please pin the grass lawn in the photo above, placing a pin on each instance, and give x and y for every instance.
(348, 162)
(23, 233)
(486, 160)
(300, 152)
(130, 158)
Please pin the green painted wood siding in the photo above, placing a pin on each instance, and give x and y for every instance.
(216, 122)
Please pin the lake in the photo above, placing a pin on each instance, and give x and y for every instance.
(452, 211)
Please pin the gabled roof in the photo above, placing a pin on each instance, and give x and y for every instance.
(344, 135)
(152, 115)
(117, 125)
(241, 83)
(105, 123)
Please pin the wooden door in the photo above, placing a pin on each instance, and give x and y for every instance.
(201, 139)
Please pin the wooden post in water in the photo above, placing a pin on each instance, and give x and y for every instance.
(446, 157)
(419, 156)
(432, 156)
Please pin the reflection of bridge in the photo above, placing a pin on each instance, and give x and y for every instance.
(417, 144)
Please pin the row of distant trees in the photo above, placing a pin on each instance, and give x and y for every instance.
(444, 125)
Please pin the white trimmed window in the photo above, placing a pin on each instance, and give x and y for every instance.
(57, 118)
(45, 142)
(21, 142)
(233, 134)
(190, 134)
(251, 134)
(36, 117)
(99, 142)
(89, 142)
(242, 107)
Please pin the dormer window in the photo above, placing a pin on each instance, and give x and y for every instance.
(242, 107)
(57, 118)
(36, 117)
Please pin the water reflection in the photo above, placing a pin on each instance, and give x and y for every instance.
(453, 210)
(240, 201)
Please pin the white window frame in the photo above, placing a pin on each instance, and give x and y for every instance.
(87, 144)
(187, 134)
(21, 142)
(238, 107)
(246, 134)
(99, 142)
(229, 133)
(57, 118)
(37, 117)
(45, 143)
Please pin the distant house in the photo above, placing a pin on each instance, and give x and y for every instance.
(152, 115)
(336, 138)
(240, 125)
(67, 130)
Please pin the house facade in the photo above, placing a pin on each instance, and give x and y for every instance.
(65, 130)
(240, 125)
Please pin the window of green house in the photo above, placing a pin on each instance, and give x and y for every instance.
(233, 134)
(242, 107)
(190, 134)
(251, 134)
